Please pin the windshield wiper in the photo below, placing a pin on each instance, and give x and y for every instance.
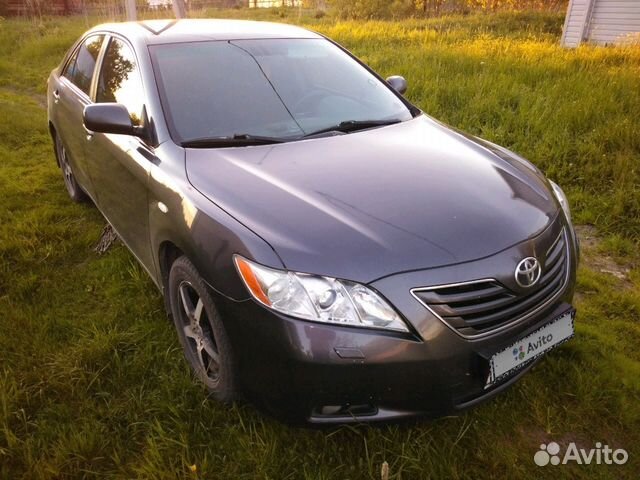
(235, 140)
(353, 125)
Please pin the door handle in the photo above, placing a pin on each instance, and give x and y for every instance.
(56, 95)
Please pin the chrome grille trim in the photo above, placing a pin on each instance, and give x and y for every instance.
(553, 261)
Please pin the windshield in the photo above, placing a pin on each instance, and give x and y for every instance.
(279, 88)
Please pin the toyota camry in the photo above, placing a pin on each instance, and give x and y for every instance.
(324, 247)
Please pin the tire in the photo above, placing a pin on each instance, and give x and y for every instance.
(202, 335)
(73, 188)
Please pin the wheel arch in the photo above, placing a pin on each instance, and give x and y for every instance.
(168, 252)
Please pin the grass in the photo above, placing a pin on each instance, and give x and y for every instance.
(92, 379)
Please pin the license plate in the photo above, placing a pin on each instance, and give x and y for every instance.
(530, 347)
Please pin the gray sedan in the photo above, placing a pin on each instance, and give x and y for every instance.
(324, 247)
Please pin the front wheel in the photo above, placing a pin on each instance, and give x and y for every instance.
(200, 329)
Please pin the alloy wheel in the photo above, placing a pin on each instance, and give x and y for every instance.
(201, 345)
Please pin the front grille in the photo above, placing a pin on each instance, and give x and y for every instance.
(478, 307)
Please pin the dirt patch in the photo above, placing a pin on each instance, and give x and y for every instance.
(588, 237)
(592, 256)
(538, 436)
(39, 98)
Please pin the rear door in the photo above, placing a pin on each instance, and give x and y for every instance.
(119, 164)
(71, 95)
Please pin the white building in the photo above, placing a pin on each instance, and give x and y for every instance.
(602, 22)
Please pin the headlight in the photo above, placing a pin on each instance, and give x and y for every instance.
(316, 298)
(562, 198)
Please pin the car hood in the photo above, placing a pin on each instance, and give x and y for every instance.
(364, 205)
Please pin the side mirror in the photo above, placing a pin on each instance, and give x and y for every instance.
(398, 83)
(108, 118)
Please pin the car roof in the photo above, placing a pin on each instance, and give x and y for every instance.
(193, 30)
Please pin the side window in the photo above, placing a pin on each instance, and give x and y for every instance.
(71, 65)
(82, 63)
(120, 80)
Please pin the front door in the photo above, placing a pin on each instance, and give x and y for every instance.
(119, 171)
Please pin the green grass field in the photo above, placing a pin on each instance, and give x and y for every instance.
(92, 379)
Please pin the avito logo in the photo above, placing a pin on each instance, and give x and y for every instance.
(550, 454)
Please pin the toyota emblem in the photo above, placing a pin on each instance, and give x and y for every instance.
(528, 272)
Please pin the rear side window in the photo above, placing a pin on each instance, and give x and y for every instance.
(120, 80)
(82, 64)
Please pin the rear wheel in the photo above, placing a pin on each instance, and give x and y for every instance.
(70, 182)
(201, 332)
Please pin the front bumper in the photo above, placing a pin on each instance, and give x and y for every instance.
(322, 373)
(327, 374)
